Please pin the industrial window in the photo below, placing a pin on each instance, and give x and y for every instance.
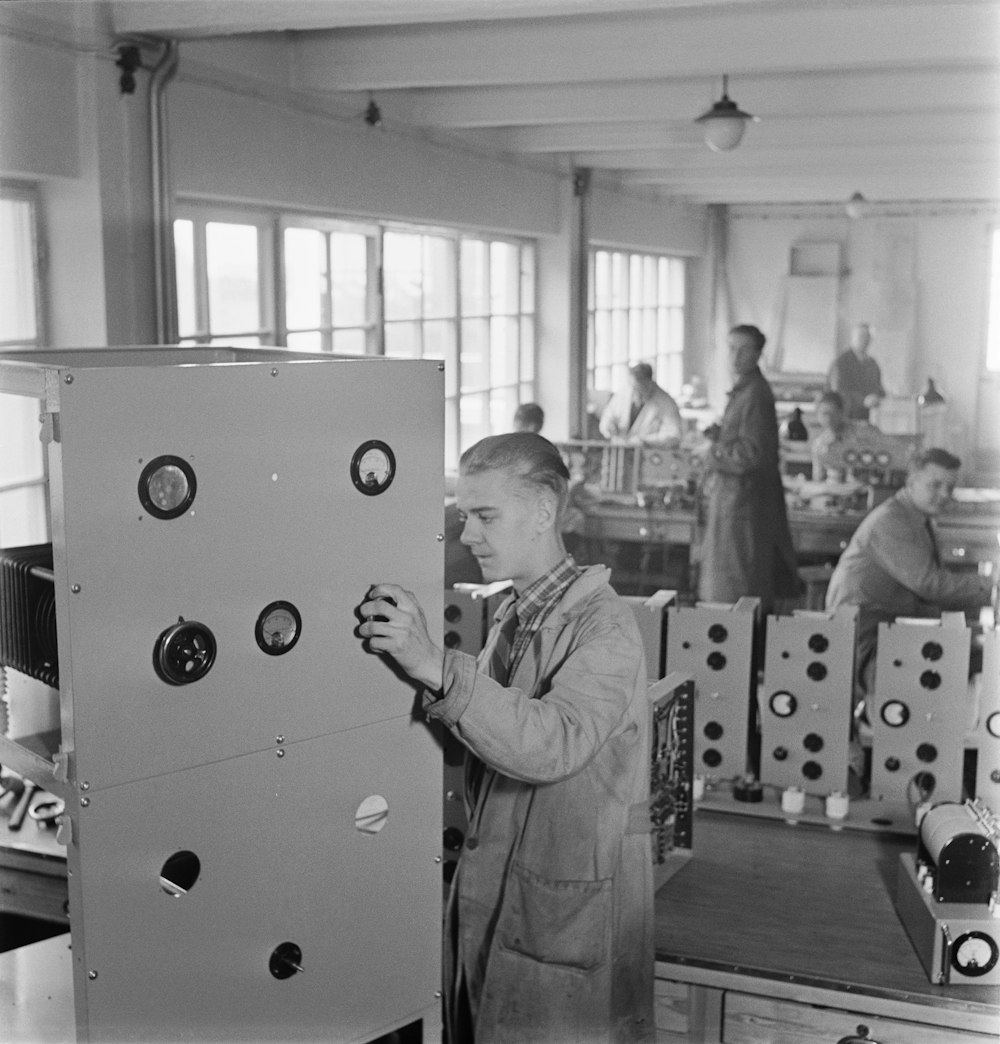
(224, 272)
(357, 288)
(993, 323)
(23, 518)
(635, 314)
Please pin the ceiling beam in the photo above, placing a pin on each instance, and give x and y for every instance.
(629, 47)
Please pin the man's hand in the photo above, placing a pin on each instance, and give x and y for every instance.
(395, 624)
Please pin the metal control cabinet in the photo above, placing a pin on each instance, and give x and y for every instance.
(254, 822)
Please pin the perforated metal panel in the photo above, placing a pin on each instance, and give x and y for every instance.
(805, 701)
(714, 644)
(919, 724)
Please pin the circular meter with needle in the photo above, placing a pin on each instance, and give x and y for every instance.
(974, 954)
(373, 467)
(278, 628)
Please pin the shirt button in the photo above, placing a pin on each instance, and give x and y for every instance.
(472, 843)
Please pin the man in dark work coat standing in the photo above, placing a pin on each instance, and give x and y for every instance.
(747, 545)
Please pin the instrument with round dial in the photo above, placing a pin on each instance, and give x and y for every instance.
(278, 628)
(895, 713)
(974, 954)
(783, 704)
(373, 467)
(167, 486)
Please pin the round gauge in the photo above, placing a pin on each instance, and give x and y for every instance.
(278, 628)
(974, 954)
(783, 704)
(167, 486)
(993, 724)
(373, 467)
(895, 714)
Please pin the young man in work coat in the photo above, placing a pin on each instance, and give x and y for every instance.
(549, 926)
(747, 545)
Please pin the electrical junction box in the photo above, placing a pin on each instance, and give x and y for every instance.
(253, 808)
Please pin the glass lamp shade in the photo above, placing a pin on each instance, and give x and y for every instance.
(857, 206)
(724, 124)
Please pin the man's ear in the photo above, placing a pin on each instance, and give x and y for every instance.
(546, 511)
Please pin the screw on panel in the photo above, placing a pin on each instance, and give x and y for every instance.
(279, 739)
(440, 537)
(84, 802)
(280, 753)
(274, 371)
(68, 378)
(85, 785)
(75, 588)
(92, 974)
(440, 367)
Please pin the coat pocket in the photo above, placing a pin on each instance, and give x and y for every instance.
(557, 922)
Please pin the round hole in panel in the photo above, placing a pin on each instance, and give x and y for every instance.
(816, 670)
(932, 651)
(930, 680)
(167, 486)
(179, 873)
(372, 814)
(927, 753)
(713, 730)
(812, 770)
(452, 639)
(452, 613)
(819, 643)
(780, 754)
(813, 742)
(716, 660)
(285, 960)
(892, 764)
(712, 758)
(993, 724)
(373, 467)
(278, 628)
(717, 633)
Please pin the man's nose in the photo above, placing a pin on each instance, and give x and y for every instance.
(469, 532)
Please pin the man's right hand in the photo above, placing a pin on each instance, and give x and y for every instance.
(395, 624)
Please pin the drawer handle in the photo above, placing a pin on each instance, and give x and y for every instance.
(861, 1037)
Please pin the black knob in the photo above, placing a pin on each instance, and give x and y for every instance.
(816, 670)
(819, 643)
(713, 730)
(813, 742)
(716, 661)
(717, 633)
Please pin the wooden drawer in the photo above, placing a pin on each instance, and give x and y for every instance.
(749, 1019)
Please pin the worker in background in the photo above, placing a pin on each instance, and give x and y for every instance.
(835, 428)
(857, 376)
(746, 547)
(643, 413)
(529, 416)
(548, 933)
(892, 566)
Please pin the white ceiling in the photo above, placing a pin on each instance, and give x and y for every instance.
(899, 100)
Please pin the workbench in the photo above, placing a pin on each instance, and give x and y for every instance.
(656, 546)
(774, 933)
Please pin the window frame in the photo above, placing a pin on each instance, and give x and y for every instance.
(627, 311)
(272, 282)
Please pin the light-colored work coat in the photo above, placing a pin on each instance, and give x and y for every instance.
(550, 917)
(746, 547)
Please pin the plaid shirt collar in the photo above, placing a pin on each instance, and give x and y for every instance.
(536, 602)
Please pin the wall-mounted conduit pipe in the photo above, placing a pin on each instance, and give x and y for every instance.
(166, 296)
